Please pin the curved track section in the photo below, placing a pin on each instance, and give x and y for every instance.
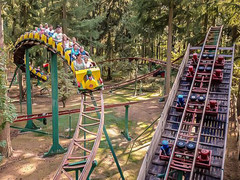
(83, 147)
(85, 142)
(26, 43)
(34, 73)
(141, 61)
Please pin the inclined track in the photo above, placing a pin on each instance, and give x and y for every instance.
(190, 127)
(210, 131)
(83, 147)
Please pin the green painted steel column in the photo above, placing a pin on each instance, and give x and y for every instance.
(20, 88)
(30, 124)
(125, 132)
(108, 140)
(14, 76)
(56, 147)
(112, 151)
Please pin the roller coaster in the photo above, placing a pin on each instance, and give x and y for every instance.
(190, 140)
(83, 147)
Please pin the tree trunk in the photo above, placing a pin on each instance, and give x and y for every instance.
(238, 99)
(5, 132)
(64, 26)
(64, 103)
(64, 17)
(1, 29)
(169, 48)
(109, 76)
(234, 34)
(135, 87)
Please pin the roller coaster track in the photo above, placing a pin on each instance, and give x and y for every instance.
(72, 111)
(197, 127)
(173, 164)
(143, 61)
(71, 161)
(84, 145)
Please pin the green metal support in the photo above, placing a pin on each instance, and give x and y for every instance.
(31, 130)
(108, 140)
(77, 174)
(14, 76)
(20, 88)
(125, 132)
(92, 168)
(38, 82)
(113, 153)
(56, 147)
(30, 124)
(35, 130)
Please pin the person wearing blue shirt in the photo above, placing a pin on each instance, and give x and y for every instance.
(83, 52)
(75, 51)
(50, 31)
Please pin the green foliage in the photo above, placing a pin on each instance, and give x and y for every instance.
(7, 110)
(3, 143)
(65, 84)
(124, 28)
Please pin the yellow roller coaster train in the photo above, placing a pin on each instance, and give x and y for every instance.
(87, 79)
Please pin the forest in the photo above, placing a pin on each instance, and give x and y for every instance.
(110, 29)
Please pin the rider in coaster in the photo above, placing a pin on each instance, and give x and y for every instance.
(75, 51)
(41, 29)
(78, 64)
(65, 42)
(46, 29)
(58, 35)
(35, 30)
(83, 52)
(87, 63)
(71, 44)
(51, 31)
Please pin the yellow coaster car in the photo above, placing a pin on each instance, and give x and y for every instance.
(89, 79)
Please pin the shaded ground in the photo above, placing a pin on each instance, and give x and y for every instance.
(232, 164)
(27, 162)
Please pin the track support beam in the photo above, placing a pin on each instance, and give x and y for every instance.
(109, 141)
(30, 124)
(56, 147)
(125, 132)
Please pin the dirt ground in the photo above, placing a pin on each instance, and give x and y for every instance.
(27, 162)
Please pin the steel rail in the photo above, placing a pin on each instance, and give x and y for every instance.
(185, 108)
(125, 83)
(72, 111)
(156, 61)
(205, 105)
(86, 167)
